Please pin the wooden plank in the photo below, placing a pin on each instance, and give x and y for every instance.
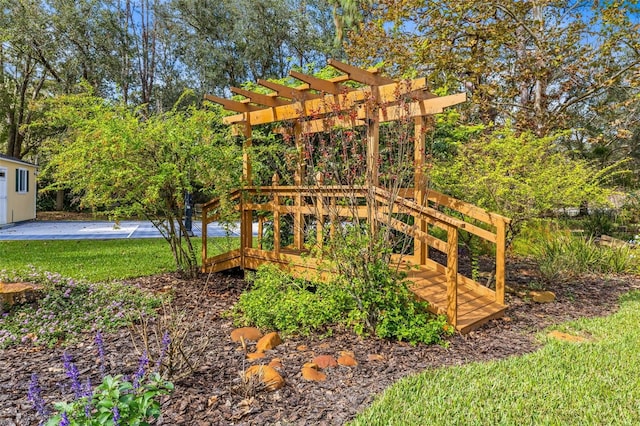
(259, 98)
(325, 104)
(318, 83)
(501, 244)
(287, 92)
(418, 108)
(413, 231)
(452, 275)
(232, 105)
(360, 75)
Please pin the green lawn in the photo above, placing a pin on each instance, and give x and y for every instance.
(589, 383)
(94, 260)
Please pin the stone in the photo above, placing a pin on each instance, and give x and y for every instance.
(271, 379)
(347, 361)
(542, 296)
(348, 353)
(325, 361)
(310, 365)
(566, 337)
(302, 348)
(251, 334)
(276, 363)
(255, 355)
(16, 293)
(268, 342)
(375, 357)
(313, 375)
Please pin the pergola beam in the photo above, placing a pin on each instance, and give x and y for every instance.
(360, 75)
(259, 98)
(287, 92)
(418, 108)
(319, 84)
(326, 104)
(232, 105)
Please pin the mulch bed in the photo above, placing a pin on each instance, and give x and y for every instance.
(214, 394)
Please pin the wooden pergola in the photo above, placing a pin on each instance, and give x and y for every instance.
(372, 100)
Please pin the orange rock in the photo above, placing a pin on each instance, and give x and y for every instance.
(310, 365)
(542, 296)
(267, 375)
(302, 348)
(269, 341)
(347, 361)
(247, 333)
(254, 356)
(347, 353)
(325, 361)
(559, 335)
(275, 363)
(375, 357)
(313, 375)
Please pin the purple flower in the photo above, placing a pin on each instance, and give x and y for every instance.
(166, 341)
(116, 416)
(88, 393)
(100, 345)
(35, 397)
(72, 374)
(142, 365)
(64, 420)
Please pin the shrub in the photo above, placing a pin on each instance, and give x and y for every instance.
(70, 308)
(278, 301)
(387, 310)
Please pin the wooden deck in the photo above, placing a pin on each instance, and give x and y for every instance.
(475, 304)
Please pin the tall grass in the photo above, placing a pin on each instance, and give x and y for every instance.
(560, 254)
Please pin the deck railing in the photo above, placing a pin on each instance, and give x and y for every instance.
(327, 205)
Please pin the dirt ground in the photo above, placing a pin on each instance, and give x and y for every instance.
(214, 394)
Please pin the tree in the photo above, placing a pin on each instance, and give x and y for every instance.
(540, 64)
(519, 175)
(116, 160)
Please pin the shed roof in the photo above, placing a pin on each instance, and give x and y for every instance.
(16, 160)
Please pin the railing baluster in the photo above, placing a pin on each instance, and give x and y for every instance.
(500, 260)
(275, 181)
(452, 275)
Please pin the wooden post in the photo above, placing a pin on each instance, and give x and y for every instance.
(298, 219)
(275, 181)
(320, 210)
(246, 159)
(501, 242)
(373, 143)
(420, 248)
(452, 275)
(205, 216)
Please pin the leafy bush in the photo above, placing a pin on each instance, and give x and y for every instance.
(278, 301)
(70, 308)
(560, 254)
(389, 309)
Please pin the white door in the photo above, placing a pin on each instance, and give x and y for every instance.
(3, 195)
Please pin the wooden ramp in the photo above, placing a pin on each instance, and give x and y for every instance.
(474, 306)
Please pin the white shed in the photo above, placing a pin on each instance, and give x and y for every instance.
(17, 190)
